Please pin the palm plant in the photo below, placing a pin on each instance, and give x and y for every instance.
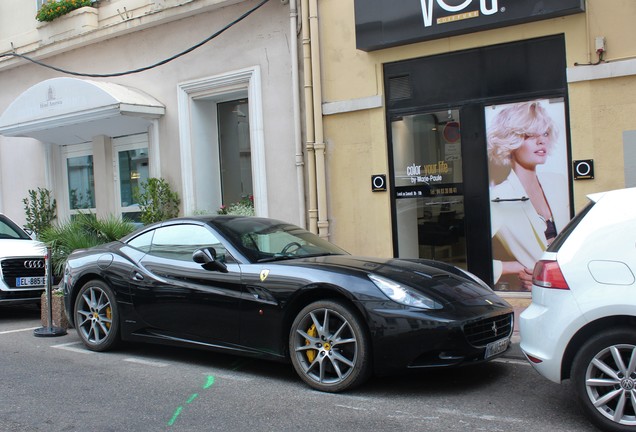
(83, 231)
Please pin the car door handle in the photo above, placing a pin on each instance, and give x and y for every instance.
(136, 276)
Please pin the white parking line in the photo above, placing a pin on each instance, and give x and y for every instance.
(351, 407)
(18, 330)
(77, 347)
(69, 347)
(145, 362)
(478, 416)
(231, 376)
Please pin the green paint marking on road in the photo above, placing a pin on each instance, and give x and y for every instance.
(174, 416)
(209, 383)
(192, 398)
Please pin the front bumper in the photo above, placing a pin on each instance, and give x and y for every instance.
(415, 339)
(12, 270)
(15, 297)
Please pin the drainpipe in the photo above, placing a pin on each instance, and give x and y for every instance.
(309, 119)
(300, 178)
(319, 144)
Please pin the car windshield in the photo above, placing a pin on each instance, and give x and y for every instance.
(9, 230)
(263, 240)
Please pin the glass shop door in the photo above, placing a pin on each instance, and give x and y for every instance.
(428, 186)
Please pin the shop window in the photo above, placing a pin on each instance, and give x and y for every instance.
(234, 150)
(80, 180)
(529, 187)
(132, 169)
(428, 178)
(222, 142)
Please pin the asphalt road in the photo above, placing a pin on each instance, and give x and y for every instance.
(54, 384)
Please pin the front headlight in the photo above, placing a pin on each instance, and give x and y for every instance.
(402, 294)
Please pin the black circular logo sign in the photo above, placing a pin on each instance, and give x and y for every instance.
(583, 169)
(378, 183)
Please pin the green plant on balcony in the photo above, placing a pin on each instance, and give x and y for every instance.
(56, 8)
(244, 207)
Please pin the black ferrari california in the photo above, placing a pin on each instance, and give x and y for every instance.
(264, 288)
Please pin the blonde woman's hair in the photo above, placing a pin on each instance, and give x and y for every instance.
(508, 129)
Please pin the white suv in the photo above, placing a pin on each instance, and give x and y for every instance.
(22, 266)
(582, 321)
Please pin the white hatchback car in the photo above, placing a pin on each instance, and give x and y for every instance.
(22, 265)
(582, 321)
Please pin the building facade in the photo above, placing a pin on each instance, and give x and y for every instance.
(406, 109)
(416, 97)
(201, 93)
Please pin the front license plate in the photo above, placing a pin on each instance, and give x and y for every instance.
(497, 347)
(30, 281)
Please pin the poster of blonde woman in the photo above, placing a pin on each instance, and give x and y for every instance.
(529, 187)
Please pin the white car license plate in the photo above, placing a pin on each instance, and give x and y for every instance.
(30, 281)
(497, 347)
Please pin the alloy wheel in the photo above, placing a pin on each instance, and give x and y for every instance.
(328, 347)
(610, 382)
(94, 315)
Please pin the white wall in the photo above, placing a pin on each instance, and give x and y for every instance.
(261, 40)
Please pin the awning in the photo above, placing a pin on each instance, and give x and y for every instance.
(73, 111)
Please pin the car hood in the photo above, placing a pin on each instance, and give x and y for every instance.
(441, 280)
(16, 248)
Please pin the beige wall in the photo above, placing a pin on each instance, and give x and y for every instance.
(356, 149)
(613, 19)
(600, 110)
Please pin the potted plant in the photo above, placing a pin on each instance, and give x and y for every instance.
(62, 19)
(83, 231)
(56, 8)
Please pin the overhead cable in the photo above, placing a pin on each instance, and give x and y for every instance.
(145, 68)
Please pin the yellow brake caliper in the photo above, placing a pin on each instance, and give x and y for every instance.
(109, 315)
(311, 354)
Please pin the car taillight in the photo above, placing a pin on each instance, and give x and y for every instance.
(547, 274)
(533, 359)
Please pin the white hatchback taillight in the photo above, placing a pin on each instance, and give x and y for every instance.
(547, 274)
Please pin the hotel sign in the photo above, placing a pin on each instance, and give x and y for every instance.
(387, 23)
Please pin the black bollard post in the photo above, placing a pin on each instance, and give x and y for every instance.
(49, 331)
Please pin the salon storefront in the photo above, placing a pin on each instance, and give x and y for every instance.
(424, 92)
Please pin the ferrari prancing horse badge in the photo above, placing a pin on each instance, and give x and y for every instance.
(264, 274)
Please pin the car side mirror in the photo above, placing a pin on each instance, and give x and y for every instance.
(207, 258)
